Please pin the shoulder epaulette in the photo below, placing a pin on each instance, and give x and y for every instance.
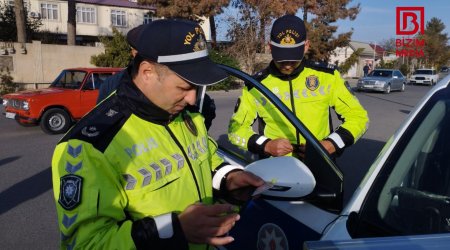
(321, 66)
(100, 125)
(261, 74)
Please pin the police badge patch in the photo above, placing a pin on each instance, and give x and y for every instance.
(312, 82)
(70, 191)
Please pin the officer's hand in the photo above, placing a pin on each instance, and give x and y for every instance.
(208, 224)
(278, 147)
(241, 184)
(328, 146)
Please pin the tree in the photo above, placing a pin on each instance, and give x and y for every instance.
(243, 32)
(190, 9)
(71, 22)
(351, 60)
(8, 30)
(117, 51)
(388, 45)
(19, 10)
(436, 49)
(321, 29)
(7, 85)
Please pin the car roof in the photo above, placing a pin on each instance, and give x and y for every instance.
(95, 69)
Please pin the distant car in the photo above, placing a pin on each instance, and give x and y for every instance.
(405, 193)
(444, 69)
(384, 80)
(70, 96)
(424, 76)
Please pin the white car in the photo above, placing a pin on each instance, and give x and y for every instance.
(405, 192)
(424, 76)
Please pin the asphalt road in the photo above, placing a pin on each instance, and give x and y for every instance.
(27, 209)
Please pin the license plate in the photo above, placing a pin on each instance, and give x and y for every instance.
(10, 115)
(368, 86)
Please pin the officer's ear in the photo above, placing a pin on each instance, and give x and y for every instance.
(147, 70)
(306, 45)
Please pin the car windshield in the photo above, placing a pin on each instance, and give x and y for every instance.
(412, 195)
(381, 73)
(69, 79)
(423, 72)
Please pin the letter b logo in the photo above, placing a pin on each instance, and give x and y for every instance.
(407, 22)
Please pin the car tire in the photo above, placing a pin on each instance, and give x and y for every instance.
(388, 89)
(403, 87)
(55, 121)
(432, 82)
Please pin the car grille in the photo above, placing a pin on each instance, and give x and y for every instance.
(14, 104)
(369, 82)
(420, 78)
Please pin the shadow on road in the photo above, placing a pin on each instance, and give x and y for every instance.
(8, 160)
(25, 190)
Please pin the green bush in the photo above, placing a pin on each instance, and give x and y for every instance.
(404, 69)
(6, 82)
(117, 51)
(222, 58)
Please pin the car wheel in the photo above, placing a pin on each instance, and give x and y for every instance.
(388, 89)
(403, 87)
(55, 121)
(432, 82)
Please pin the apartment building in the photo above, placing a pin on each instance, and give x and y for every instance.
(93, 17)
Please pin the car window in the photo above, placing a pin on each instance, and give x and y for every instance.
(423, 72)
(95, 80)
(69, 79)
(382, 73)
(412, 193)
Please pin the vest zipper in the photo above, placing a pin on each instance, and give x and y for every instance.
(187, 159)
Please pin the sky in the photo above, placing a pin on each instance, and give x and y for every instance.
(376, 20)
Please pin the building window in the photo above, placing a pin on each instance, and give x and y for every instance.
(118, 18)
(148, 18)
(86, 15)
(49, 11)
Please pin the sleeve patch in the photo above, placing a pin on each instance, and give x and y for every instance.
(70, 191)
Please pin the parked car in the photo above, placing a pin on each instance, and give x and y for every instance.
(444, 69)
(405, 192)
(384, 80)
(68, 98)
(424, 76)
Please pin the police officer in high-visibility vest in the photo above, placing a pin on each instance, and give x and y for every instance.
(308, 89)
(139, 171)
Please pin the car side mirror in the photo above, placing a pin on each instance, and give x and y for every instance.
(290, 177)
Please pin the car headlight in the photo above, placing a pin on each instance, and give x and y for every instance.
(360, 81)
(5, 102)
(380, 83)
(25, 105)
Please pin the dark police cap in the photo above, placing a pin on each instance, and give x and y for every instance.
(133, 36)
(181, 45)
(287, 38)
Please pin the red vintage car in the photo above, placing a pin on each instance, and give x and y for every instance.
(68, 98)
